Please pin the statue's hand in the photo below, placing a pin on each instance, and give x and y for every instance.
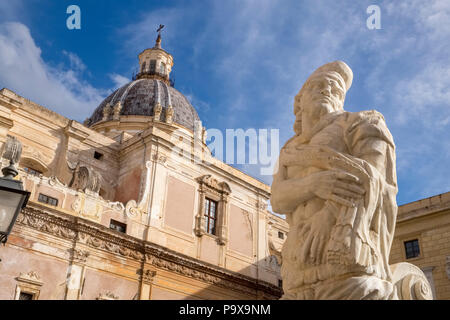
(335, 185)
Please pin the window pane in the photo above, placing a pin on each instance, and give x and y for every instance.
(207, 207)
(412, 249)
(25, 296)
(152, 65)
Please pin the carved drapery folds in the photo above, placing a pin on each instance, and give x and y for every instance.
(218, 191)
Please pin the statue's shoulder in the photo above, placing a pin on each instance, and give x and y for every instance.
(363, 116)
(369, 123)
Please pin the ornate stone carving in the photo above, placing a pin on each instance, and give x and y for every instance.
(79, 256)
(98, 237)
(31, 276)
(135, 209)
(108, 295)
(169, 115)
(12, 149)
(148, 276)
(85, 178)
(87, 206)
(212, 183)
(106, 112)
(53, 181)
(261, 205)
(32, 218)
(159, 158)
(108, 245)
(116, 111)
(204, 135)
(212, 188)
(157, 109)
(337, 185)
(410, 282)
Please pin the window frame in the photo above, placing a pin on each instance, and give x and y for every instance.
(219, 192)
(118, 224)
(28, 283)
(405, 249)
(42, 195)
(208, 217)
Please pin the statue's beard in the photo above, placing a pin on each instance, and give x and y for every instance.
(298, 126)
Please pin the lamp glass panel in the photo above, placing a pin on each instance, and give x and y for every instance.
(9, 202)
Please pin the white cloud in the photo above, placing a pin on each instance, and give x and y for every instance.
(119, 80)
(24, 71)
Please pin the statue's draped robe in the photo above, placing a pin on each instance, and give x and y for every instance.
(330, 243)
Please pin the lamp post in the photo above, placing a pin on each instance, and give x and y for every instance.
(13, 197)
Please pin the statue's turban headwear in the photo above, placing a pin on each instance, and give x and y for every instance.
(338, 69)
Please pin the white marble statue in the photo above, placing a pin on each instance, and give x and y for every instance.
(336, 183)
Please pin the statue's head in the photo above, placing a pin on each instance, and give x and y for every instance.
(323, 92)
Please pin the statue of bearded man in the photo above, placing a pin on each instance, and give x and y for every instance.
(336, 183)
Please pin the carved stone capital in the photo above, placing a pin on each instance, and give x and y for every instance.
(79, 256)
(148, 276)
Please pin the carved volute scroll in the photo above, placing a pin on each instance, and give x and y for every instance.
(210, 187)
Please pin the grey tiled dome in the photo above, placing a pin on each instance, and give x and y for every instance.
(139, 98)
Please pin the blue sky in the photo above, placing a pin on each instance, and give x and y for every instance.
(242, 62)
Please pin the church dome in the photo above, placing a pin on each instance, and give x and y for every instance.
(149, 94)
(139, 98)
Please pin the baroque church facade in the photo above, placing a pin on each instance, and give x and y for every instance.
(132, 205)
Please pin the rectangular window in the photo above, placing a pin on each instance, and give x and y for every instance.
(47, 200)
(25, 296)
(118, 226)
(210, 216)
(280, 235)
(412, 249)
(98, 155)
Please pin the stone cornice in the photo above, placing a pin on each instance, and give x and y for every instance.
(99, 237)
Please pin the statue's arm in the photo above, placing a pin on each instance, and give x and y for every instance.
(287, 194)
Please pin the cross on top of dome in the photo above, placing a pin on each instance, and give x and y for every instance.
(155, 63)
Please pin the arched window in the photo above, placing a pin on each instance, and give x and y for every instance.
(163, 68)
(33, 166)
(143, 66)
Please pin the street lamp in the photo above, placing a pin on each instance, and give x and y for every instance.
(12, 195)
